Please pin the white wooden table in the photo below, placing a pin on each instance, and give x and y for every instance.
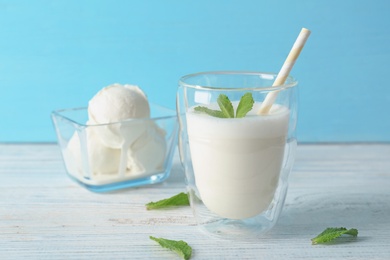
(45, 215)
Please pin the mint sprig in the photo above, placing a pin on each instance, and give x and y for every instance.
(227, 111)
(330, 234)
(180, 199)
(226, 106)
(245, 105)
(180, 247)
(211, 112)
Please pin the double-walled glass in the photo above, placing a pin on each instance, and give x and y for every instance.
(236, 168)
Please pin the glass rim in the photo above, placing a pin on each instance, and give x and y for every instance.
(59, 113)
(292, 82)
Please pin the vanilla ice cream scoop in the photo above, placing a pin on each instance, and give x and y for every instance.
(116, 103)
(121, 140)
(147, 154)
(101, 159)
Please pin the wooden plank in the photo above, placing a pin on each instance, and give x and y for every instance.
(45, 215)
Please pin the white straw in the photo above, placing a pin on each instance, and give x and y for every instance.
(285, 70)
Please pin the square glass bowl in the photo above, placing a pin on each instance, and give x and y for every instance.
(106, 157)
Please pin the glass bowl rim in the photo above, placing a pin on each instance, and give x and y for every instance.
(58, 113)
(292, 81)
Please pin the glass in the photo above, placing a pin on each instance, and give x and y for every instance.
(236, 168)
(145, 156)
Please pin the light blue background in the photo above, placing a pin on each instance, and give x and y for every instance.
(58, 54)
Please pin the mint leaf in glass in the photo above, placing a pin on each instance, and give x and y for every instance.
(211, 112)
(180, 247)
(180, 199)
(227, 111)
(330, 234)
(226, 106)
(245, 105)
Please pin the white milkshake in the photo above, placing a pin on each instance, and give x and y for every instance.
(237, 161)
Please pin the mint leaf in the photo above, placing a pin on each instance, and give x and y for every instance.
(330, 234)
(227, 111)
(180, 199)
(180, 247)
(245, 105)
(215, 113)
(226, 106)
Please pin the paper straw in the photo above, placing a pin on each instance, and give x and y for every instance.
(285, 70)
